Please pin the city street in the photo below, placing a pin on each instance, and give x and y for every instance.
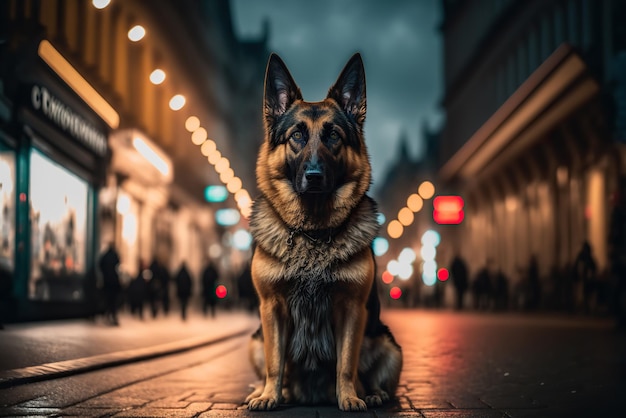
(455, 365)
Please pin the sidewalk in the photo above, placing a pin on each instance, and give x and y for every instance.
(43, 350)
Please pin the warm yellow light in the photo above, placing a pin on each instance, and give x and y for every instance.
(222, 165)
(426, 190)
(152, 156)
(100, 4)
(227, 175)
(242, 197)
(199, 136)
(192, 123)
(64, 69)
(405, 216)
(214, 157)
(136, 33)
(234, 185)
(246, 212)
(208, 147)
(177, 102)
(395, 229)
(415, 202)
(157, 76)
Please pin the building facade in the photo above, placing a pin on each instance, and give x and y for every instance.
(94, 148)
(531, 138)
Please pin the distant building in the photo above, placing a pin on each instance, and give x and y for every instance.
(534, 132)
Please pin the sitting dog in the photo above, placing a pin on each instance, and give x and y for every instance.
(313, 268)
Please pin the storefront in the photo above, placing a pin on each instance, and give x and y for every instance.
(51, 174)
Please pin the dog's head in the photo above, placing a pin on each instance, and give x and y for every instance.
(314, 162)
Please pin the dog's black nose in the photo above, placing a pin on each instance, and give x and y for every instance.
(313, 178)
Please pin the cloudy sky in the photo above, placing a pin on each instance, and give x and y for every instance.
(401, 50)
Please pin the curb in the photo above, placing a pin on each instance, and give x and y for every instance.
(48, 371)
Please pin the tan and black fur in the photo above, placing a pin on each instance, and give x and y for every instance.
(321, 339)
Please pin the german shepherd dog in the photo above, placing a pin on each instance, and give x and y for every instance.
(321, 339)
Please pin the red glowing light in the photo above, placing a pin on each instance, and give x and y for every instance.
(448, 210)
(395, 292)
(387, 277)
(443, 274)
(22, 197)
(221, 291)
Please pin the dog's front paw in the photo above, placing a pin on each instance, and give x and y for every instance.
(377, 398)
(263, 403)
(352, 403)
(373, 400)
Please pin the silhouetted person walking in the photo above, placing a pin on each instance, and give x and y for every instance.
(137, 291)
(501, 291)
(109, 264)
(533, 284)
(460, 279)
(209, 282)
(183, 289)
(155, 288)
(585, 272)
(482, 289)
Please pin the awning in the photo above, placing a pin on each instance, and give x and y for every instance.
(552, 92)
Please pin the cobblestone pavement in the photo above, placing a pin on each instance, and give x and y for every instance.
(456, 365)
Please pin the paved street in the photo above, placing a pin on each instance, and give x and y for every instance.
(456, 365)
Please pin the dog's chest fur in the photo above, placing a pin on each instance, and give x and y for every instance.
(306, 267)
(297, 255)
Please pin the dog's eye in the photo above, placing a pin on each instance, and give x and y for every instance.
(297, 136)
(334, 136)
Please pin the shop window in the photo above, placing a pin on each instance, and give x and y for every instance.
(7, 210)
(58, 218)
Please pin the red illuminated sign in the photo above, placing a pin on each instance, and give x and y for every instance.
(448, 210)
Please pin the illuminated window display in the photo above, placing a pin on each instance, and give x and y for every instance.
(58, 216)
(7, 210)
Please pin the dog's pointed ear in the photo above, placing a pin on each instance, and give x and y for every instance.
(280, 89)
(349, 90)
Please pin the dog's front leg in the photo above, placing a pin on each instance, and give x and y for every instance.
(274, 335)
(349, 336)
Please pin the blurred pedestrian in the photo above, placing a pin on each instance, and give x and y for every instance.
(585, 273)
(155, 288)
(533, 284)
(460, 279)
(210, 276)
(109, 266)
(138, 289)
(482, 289)
(183, 289)
(247, 294)
(501, 291)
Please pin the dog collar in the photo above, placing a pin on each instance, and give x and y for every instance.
(315, 236)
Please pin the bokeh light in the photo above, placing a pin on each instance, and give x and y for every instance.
(380, 246)
(221, 291)
(395, 229)
(157, 77)
(415, 202)
(192, 123)
(426, 190)
(177, 102)
(199, 136)
(431, 238)
(405, 216)
(443, 274)
(395, 292)
(136, 33)
(387, 277)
